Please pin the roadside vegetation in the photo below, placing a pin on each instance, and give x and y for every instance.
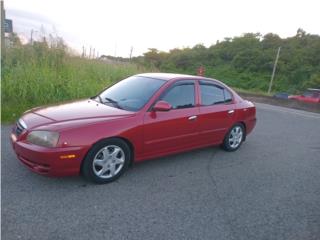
(46, 72)
(246, 62)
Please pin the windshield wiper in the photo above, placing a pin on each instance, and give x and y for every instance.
(110, 100)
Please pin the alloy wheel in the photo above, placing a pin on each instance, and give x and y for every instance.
(235, 137)
(108, 162)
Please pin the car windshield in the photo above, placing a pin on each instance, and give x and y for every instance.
(307, 94)
(130, 94)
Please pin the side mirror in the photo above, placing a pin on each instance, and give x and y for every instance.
(162, 106)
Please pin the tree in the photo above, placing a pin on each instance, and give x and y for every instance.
(246, 61)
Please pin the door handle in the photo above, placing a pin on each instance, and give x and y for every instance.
(231, 111)
(192, 118)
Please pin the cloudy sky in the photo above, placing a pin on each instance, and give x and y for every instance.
(112, 27)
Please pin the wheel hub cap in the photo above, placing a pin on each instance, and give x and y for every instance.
(108, 161)
(235, 137)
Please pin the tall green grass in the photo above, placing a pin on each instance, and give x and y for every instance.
(37, 74)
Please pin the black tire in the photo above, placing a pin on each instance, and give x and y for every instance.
(228, 144)
(89, 169)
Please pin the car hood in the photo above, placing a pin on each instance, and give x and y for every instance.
(72, 112)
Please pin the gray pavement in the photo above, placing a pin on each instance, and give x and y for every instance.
(268, 189)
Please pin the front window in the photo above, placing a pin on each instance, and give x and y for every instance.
(131, 94)
(180, 96)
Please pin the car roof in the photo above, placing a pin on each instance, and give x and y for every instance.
(314, 89)
(176, 76)
(170, 76)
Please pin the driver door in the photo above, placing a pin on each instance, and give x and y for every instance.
(174, 129)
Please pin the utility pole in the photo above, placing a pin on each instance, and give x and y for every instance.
(274, 70)
(2, 29)
(31, 37)
(131, 50)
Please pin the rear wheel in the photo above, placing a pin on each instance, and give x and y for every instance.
(234, 138)
(106, 161)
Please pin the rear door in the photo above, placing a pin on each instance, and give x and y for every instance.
(217, 112)
(175, 129)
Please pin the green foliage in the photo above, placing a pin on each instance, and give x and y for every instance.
(246, 62)
(313, 82)
(45, 73)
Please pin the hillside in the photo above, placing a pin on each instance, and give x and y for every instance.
(46, 72)
(246, 62)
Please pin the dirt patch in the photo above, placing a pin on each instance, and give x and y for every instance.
(290, 103)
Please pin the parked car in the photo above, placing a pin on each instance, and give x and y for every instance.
(312, 95)
(282, 95)
(141, 117)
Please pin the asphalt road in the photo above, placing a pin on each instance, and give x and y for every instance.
(268, 189)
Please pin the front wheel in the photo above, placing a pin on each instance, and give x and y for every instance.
(234, 138)
(106, 161)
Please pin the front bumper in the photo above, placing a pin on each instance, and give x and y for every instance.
(62, 161)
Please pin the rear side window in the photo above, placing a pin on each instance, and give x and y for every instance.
(180, 96)
(212, 94)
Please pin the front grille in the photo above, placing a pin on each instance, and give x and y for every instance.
(19, 128)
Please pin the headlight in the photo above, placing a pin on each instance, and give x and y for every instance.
(43, 138)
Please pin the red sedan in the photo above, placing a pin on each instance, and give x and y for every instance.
(312, 95)
(141, 117)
